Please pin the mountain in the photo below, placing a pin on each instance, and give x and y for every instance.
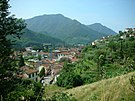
(66, 29)
(100, 28)
(30, 38)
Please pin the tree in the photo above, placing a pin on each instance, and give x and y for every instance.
(39, 57)
(10, 29)
(69, 80)
(42, 72)
(113, 46)
(25, 89)
(21, 61)
(100, 63)
(121, 33)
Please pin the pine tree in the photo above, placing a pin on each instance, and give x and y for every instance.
(10, 28)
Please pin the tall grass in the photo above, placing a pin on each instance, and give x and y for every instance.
(114, 89)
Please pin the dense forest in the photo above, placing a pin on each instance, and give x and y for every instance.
(36, 40)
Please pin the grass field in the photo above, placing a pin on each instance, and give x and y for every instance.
(114, 89)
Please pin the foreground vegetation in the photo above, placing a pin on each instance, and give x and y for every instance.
(114, 89)
(13, 88)
(108, 58)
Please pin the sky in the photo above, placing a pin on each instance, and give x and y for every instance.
(115, 14)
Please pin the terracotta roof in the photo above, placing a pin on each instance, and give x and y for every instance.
(45, 65)
(64, 53)
(48, 61)
(44, 53)
(57, 66)
(22, 76)
(28, 70)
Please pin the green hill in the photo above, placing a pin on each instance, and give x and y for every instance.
(30, 38)
(114, 89)
(102, 29)
(66, 29)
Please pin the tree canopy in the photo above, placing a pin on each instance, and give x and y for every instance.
(11, 87)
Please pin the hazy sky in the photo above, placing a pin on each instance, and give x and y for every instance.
(115, 14)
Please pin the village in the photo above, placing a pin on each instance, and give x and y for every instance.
(49, 63)
(52, 61)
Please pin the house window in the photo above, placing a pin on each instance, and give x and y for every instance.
(33, 75)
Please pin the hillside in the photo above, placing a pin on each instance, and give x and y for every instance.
(101, 69)
(114, 89)
(30, 38)
(64, 28)
(100, 28)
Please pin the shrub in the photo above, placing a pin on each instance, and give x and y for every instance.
(132, 82)
(61, 97)
(69, 80)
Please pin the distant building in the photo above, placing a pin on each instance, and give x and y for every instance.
(93, 43)
(62, 54)
(27, 72)
(28, 48)
(128, 29)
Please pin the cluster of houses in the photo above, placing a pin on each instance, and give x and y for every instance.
(127, 33)
(129, 29)
(103, 39)
(36, 60)
(131, 32)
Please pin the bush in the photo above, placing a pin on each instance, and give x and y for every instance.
(89, 77)
(61, 97)
(69, 80)
(132, 82)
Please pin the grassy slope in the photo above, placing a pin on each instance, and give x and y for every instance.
(50, 90)
(114, 89)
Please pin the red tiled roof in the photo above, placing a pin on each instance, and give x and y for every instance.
(48, 61)
(45, 65)
(28, 70)
(44, 53)
(22, 76)
(66, 53)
